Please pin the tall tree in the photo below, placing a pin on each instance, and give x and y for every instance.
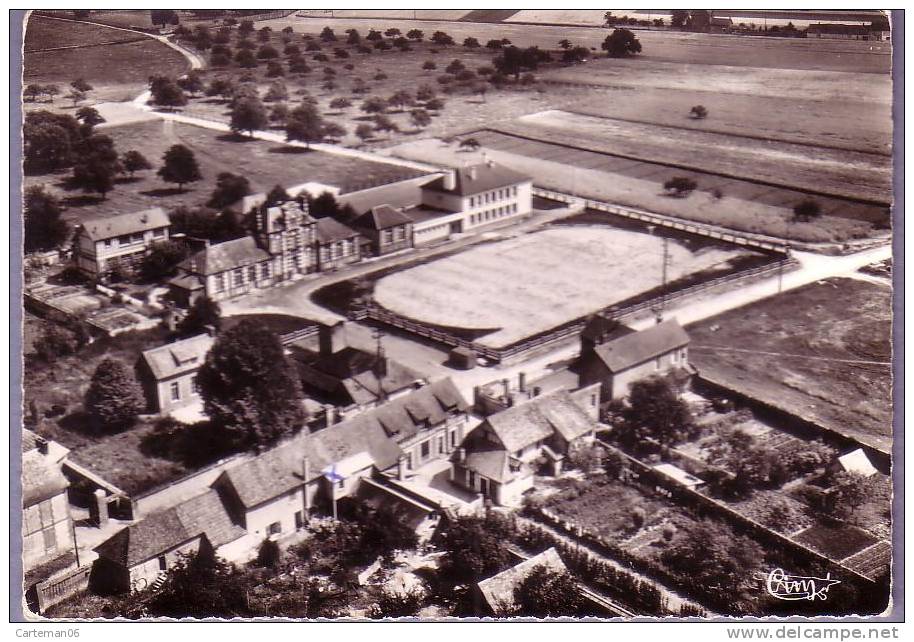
(248, 115)
(48, 141)
(44, 227)
(250, 388)
(97, 164)
(305, 124)
(204, 313)
(134, 161)
(475, 548)
(166, 92)
(192, 82)
(654, 412)
(547, 593)
(180, 166)
(230, 188)
(162, 259)
(201, 586)
(114, 398)
(621, 43)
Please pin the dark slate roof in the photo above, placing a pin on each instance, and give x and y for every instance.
(330, 231)
(221, 257)
(375, 431)
(186, 282)
(400, 194)
(600, 329)
(381, 217)
(281, 469)
(164, 530)
(354, 371)
(488, 176)
(41, 478)
(179, 357)
(633, 349)
(100, 229)
(538, 418)
(490, 462)
(498, 590)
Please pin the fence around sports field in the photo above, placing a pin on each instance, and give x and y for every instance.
(372, 311)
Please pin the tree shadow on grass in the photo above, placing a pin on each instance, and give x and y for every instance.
(164, 191)
(233, 137)
(289, 149)
(127, 180)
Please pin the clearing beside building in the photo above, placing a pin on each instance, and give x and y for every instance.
(801, 351)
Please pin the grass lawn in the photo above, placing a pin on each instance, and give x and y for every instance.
(792, 337)
(117, 71)
(265, 164)
(836, 542)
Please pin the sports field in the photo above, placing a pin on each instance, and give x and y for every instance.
(532, 283)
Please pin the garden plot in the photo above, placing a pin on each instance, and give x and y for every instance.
(538, 281)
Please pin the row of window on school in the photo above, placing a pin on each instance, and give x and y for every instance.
(491, 197)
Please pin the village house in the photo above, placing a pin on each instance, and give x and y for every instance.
(337, 245)
(283, 247)
(348, 377)
(168, 373)
(47, 527)
(138, 556)
(615, 357)
(498, 458)
(276, 492)
(387, 229)
(118, 242)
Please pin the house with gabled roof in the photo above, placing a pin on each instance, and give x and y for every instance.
(387, 229)
(168, 373)
(336, 244)
(498, 458)
(118, 242)
(623, 358)
(136, 556)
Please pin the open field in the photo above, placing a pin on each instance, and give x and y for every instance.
(538, 281)
(820, 352)
(569, 171)
(844, 124)
(702, 49)
(842, 173)
(263, 163)
(116, 71)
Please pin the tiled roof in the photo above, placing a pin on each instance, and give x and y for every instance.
(187, 282)
(381, 217)
(225, 256)
(375, 431)
(41, 478)
(330, 231)
(100, 229)
(166, 529)
(478, 178)
(498, 590)
(489, 462)
(179, 357)
(633, 349)
(538, 418)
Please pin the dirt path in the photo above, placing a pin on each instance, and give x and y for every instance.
(673, 599)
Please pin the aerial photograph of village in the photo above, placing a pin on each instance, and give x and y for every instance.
(456, 313)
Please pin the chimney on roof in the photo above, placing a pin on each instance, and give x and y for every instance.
(329, 414)
(506, 385)
(42, 445)
(536, 391)
(522, 382)
(471, 172)
(450, 180)
(401, 468)
(331, 338)
(306, 474)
